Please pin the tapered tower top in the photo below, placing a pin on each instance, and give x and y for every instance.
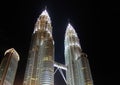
(72, 36)
(45, 13)
(43, 18)
(70, 30)
(46, 16)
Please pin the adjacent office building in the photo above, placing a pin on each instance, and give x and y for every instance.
(8, 67)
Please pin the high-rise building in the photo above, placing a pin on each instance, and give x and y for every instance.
(40, 69)
(40, 64)
(8, 67)
(78, 70)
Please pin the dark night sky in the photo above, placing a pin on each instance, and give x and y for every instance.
(94, 22)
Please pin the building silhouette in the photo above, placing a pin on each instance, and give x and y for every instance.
(40, 65)
(8, 67)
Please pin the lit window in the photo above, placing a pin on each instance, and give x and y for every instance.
(45, 58)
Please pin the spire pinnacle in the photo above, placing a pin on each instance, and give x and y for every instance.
(45, 18)
(45, 13)
(70, 30)
(45, 7)
(70, 27)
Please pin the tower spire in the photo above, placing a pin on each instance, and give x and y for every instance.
(45, 7)
(71, 35)
(45, 13)
(70, 30)
(44, 17)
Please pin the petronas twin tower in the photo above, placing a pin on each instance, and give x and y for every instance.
(40, 64)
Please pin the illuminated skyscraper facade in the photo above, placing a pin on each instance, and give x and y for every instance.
(8, 67)
(40, 64)
(78, 70)
(40, 69)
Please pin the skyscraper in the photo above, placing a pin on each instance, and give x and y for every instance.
(8, 67)
(40, 68)
(78, 70)
(40, 64)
